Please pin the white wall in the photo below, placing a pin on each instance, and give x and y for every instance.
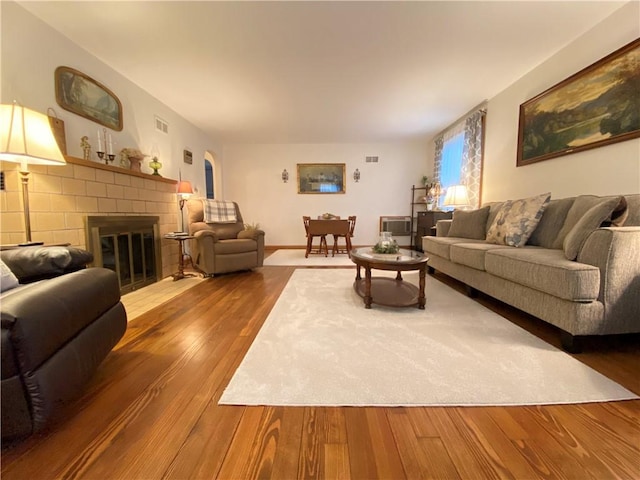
(31, 51)
(606, 170)
(252, 177)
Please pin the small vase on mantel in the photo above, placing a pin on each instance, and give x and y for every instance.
(135, 158)
(135, 164)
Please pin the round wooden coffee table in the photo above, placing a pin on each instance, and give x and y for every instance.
(390, 292)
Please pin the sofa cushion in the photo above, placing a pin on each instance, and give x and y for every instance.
(580, 206)
(633, 211)
(471, 254)
(494, 208)
(546, 270)
(230, 246)
(591, 220)
(551, 222)
(516, 220)
(440, 245)
(470, 224)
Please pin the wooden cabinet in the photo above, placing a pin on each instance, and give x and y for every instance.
(423, 220)
(425, 223)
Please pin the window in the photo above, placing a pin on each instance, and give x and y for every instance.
(458, 159)
(208, 178)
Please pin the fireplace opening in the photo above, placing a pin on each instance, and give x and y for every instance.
(128, 245)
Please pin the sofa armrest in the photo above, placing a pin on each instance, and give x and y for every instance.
(442, 227)
(252, 234)
(616, 252)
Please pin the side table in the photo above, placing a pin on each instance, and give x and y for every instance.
(180, 239)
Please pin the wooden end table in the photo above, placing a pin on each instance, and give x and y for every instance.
(390, 292)
(180, 239)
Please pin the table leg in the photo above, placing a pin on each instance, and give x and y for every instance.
(367, 288)
(180, 274)
(422, 299)
(358, 277)
(399, 276)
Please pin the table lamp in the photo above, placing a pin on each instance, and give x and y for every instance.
(456, 197)
(26, 138)
(184, 191)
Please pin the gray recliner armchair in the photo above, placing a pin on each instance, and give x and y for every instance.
(223, 247)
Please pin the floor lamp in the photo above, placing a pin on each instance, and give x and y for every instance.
(184, 191)
(26, 138)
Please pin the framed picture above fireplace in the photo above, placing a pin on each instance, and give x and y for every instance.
(597, 106)
(84, 96)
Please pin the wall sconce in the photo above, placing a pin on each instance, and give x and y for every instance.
(285, 176)
(356, 175)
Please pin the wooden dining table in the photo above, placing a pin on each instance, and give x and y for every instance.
(322, 228)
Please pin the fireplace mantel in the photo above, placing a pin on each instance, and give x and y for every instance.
(114, 168)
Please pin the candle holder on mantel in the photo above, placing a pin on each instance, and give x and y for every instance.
(107, 156)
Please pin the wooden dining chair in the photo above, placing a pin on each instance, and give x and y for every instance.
(322, 248)
(347, 238)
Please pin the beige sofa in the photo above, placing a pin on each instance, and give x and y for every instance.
(595, 293)
(223, 247)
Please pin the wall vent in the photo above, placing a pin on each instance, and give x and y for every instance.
(161, 125)
(2, 181)
(398, 226)
(372, 160)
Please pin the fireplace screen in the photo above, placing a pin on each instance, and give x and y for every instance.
(128, 246)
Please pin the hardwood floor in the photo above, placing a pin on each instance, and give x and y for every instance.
(151, 412)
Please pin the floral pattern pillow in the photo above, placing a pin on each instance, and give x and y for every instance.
(516, 220)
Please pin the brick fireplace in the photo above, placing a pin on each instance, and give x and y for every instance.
(62, 198)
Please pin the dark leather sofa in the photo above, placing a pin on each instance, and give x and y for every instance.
(55, 333)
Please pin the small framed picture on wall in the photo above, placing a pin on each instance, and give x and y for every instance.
(188, 157)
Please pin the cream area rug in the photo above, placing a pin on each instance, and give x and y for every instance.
(320, 347)
(295, 258)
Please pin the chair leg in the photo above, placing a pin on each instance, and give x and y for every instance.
(309, 245)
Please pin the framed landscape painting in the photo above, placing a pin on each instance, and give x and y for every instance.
(597, 106)
(84, 96)
(321, 178)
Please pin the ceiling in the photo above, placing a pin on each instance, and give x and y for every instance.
(322, 72)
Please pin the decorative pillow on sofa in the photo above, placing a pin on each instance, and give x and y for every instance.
(469, 223)
(551, 223)
(590, 221)
(8, 280)
(581, 205)
(516, 220)
(30, 264)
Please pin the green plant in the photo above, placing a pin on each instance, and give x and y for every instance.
(252, 226)
(386, 247)
(424, 180)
